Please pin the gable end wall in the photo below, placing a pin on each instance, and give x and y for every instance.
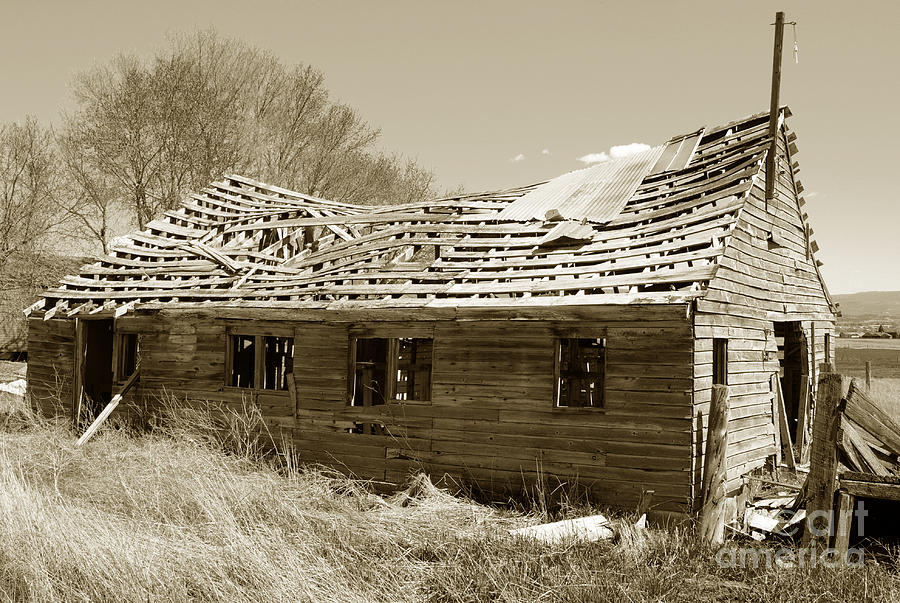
(758, 281)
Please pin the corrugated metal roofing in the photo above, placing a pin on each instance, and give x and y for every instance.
(596, 194)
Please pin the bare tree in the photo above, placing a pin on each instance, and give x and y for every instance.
(119, 130)
(28, 188)
(88, 195)
(146, 134)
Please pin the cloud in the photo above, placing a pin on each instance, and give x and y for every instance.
(811, 194)
(594, 158)
(517, 158)
(615, 152)
(545, 152)
(624, 150)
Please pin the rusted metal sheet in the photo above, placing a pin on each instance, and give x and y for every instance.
(596, 194)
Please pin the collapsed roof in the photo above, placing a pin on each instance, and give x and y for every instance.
(645, 229)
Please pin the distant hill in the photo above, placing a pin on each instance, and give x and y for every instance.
(870, 303)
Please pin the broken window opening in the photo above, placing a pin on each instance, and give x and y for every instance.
(243, 361)
(386, 370)
(581, 364)
(128, 356)
(413, 369)
(269, 357)
(720, 362)
(279, 362)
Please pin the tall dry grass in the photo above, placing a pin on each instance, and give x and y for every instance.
(192, 511)
(887, 392)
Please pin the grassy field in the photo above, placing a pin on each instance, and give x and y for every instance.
(851, 356)
(185, 513)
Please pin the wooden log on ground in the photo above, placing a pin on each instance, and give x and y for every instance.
(823, 462)
(712, 514)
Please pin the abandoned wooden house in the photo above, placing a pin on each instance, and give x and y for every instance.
(570, 330)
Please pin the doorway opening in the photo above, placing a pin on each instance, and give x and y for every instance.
(793, 368)
(96, 369)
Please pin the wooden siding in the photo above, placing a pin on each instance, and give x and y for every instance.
(51, 360)
(759, 281)
(490, 422)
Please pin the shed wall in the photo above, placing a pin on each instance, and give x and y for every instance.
(51, 363)
(758, 282)
(491, 420)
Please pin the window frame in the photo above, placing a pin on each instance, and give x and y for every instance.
(557, 371)
(259, 333)
(391, 367)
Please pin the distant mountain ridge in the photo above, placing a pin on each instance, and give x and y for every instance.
(868, 303)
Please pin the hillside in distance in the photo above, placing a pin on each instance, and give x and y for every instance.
(869, 309)
(870, 302)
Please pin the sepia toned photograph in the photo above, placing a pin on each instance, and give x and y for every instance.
(449, 301)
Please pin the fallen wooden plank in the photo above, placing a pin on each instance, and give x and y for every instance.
(872, 462)
(595, 527)
(777, 502)
(88, 434)
(854, 460)
(867, 414)
(761, 521)
(786, 448)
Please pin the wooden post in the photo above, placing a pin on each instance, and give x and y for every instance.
(812, 349)
(844, 519)
(773, 107)
(823, 462)
(712, 514)
(868, 375)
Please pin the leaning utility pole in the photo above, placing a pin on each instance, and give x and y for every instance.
(773, 107)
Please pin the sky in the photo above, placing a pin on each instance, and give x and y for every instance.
(493, 94)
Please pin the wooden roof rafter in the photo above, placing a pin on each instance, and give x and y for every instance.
(241, 241)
